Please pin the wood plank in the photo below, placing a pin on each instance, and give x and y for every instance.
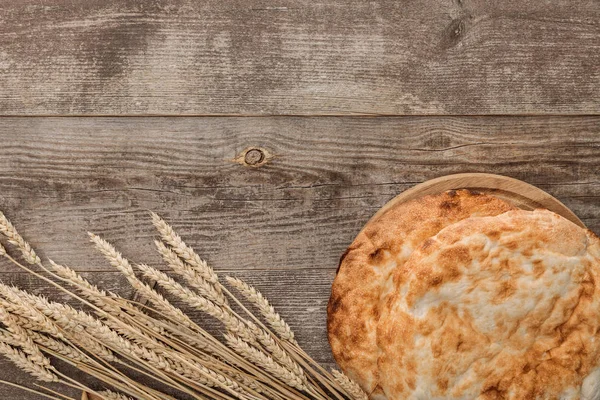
(324, 178)
(299, 296)
(299, 57)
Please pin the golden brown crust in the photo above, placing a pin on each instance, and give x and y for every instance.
(382, 247)
(504, 307)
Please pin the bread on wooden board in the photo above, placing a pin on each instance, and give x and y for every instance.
(381, 248)
(503, 307)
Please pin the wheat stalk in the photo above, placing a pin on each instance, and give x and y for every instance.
(57, 346)
(191, 275)
(258, 362)
(279, 326)
(351, 387)
(110, 395)
(222, 314)
(25, 341)
(264, 361)
(101, 298)
(118, 261)
(184, 251)
(25, 363)
(7, 228)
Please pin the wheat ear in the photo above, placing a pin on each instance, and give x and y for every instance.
(230, 321)
(264, 361)
(279, 326)
(48, 310)
(246, 330)
(184, 251)
(122, 264)
(27, 364)
(79, 321)
(8, 229)
(57, 346)
(29, 317)
(25, 341)
(191, 275)
(351, 387)
(100, 298)
(110, 395)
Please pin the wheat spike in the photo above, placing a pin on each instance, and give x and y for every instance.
(264, 361)
(58, 315)
(8, 338)
(26, 364)
(100, 298)
(279, 326)
(231, 322)
(29, 317)
(110, 395)
(351, 387)
(57, 346)
(122, 264)
(25, 341)
(191, 275)
(278, 353)
(184, 251)
(7, 228)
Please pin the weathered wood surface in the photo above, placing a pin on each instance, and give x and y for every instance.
(61, 177)
(281, 225)
(299, 57)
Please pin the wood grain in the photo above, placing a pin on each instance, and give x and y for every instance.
(257, 57)
(62, 177)
(281, 223)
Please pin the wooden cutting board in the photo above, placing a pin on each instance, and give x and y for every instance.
(518, 193)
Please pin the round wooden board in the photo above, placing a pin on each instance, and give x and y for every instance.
(514, 191)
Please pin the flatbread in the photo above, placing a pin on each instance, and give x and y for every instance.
(504, 307)
(382, 247)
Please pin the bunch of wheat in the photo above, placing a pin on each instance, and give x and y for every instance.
(116, 341)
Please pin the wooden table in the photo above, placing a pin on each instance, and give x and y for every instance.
(268, 132)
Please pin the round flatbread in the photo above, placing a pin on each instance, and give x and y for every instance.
(504, 307)
(382, 247)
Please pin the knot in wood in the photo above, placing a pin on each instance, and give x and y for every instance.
(254, 156)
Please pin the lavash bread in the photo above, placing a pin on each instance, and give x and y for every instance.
(504, 307)
(381, 248)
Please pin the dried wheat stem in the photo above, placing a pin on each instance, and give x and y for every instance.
(245, 329)
(58, 314)
(7, 228)
(45, 395)
(25, 363)
(191, 275)
(279, 326)
(97, 330)
(8, 338)
(110, 395)
(351, 387)
(261, 359)
(278, 353)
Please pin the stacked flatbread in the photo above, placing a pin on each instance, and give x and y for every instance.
(462, 296)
